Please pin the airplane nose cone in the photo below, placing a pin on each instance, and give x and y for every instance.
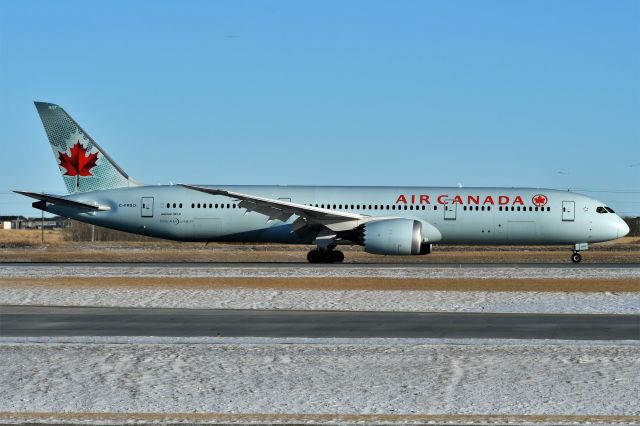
(623, 228)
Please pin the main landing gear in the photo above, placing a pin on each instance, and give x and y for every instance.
(325, 256)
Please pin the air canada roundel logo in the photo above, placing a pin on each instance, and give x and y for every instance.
(540, 200)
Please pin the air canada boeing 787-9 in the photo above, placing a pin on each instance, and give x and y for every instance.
(384, 220)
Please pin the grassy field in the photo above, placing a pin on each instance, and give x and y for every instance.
(26, 246)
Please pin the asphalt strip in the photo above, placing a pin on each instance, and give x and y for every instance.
(41, 321)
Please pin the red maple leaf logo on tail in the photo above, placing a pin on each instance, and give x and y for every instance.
(79, 163)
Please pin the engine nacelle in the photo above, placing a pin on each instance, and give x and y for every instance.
(399, 237)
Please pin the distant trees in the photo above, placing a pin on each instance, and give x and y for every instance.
(79, 231)
(634, 226)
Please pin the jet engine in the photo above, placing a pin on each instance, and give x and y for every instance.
(398, 237)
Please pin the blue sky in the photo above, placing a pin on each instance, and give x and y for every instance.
(486, 93)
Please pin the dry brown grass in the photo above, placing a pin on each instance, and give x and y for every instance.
(375, 284)
(28, 238)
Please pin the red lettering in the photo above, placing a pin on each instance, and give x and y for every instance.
(518, 200)
(472, 199)
(401, 199)
(457, 199)
(424, 199)
(488, 200)
(413, 198)
(441, 199)
(503, 199)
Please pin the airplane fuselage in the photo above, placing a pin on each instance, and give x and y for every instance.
(461, 215)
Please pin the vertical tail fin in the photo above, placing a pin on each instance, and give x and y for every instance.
(84, 165)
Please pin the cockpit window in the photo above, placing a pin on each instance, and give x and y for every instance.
(609, 209)
(601, 209)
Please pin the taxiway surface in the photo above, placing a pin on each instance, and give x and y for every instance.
(297, 265)
(40, 321)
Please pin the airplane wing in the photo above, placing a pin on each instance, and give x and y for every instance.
(282, 210)
(53, 199)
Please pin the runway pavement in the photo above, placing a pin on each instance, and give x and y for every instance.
(37, 321)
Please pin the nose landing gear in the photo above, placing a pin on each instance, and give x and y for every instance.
(576, 257)
(577, 248)
(325, 256)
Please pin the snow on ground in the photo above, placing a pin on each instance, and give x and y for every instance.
(364, 376)
(324, 271)
(343, 300)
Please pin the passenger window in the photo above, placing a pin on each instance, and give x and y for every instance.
(513, 208)
(228, 206)
(435, 207)
(424, 207)
(489, 208)
(216, 205)
(198, 205)
(393, 207)
(548, 209)
(482, 208)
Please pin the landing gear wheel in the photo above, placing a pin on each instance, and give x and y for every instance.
(314, 256)
(335, 256)
(325, 256)
(576, 257)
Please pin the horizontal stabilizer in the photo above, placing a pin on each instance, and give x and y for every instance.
(54, 199)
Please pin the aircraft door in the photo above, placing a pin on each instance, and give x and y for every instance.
(146, 207)
(568, 211)
(450, 210)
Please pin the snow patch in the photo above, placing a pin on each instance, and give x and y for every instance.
(343, 300)
(367, 377)
(450, 272)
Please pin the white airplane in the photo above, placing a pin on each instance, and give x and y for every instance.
(384, 220)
